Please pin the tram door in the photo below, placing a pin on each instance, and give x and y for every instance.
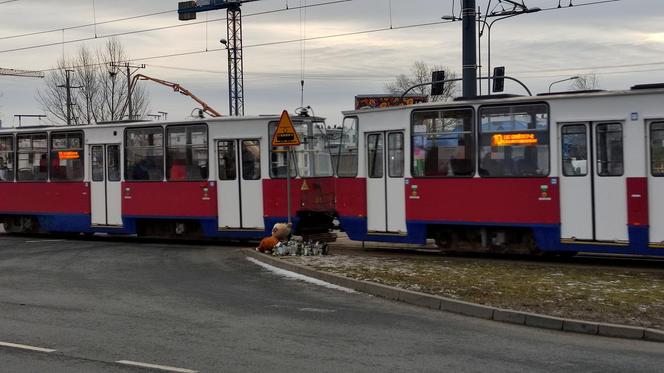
(656, 183)
(386, 201)
(240, 186)
(593, 185)
(106, 186)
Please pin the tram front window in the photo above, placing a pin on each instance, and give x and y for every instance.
(342, 143)
(514, 141)
(310, 159)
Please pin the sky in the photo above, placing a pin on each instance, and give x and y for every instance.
(622, 42)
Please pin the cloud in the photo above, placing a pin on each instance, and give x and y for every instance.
(337, 68)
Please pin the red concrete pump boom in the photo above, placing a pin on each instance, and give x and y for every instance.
(178, 88)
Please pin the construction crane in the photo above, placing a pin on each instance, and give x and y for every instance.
(187, 11)
(21, 73)
(176, 88)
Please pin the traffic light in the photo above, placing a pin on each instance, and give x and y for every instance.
(183, 6)
(438, 86)
(498, 79)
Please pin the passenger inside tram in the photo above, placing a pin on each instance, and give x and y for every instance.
(140, 171)
(178, 171)
(5, 172)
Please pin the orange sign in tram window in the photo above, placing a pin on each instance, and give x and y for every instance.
(68, 155)
(514, 139)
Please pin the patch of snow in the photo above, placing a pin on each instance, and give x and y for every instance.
(296, 276)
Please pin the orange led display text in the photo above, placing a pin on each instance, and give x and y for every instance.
(68, 155)
(514, 139)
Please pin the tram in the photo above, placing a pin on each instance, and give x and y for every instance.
(213, 178)
(554, 173)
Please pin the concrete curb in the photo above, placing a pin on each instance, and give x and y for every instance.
(465, 308)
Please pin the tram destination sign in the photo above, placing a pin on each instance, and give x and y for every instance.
(285, 134)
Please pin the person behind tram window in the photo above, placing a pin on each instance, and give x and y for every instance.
(4, 170)
(58, 172)
(43, 168)
(528, 164)
(488, 166)
(140, 171)
(178, 170)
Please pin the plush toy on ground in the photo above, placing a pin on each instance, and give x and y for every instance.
(280, 233)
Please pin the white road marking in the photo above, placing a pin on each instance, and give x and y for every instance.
(26, 347)
(296, 276)
(38, 241)
(155, 366)
(316, 310)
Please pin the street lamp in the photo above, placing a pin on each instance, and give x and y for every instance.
(489, 25)
(562, 81)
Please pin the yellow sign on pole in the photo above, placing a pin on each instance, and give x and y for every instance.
(285, 134)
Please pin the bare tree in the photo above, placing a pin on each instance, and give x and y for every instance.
(102, 92)
(53, 97)
(586, 82)
(421, 73)
(86, 77)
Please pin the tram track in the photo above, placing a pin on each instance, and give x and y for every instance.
(346, 247)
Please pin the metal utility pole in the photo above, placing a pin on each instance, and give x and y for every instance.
(68, 87)
(128, 73)
(235, 62)
(469, 19)
(187, 11)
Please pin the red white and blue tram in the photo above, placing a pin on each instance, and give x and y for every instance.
(561, 173)
(209, 178)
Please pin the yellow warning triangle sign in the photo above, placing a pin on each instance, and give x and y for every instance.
(285, 134)
(305, 186)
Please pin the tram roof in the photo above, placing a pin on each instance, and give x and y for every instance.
(143, 123)
(507, 99)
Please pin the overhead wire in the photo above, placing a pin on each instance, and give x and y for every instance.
(67, 28)
(417, 25)
(280, 42)
(220, 19)
(188, 24)
(94, 16)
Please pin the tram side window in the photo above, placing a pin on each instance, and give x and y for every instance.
(67, 156)
(227, 160)
(32, 157)
(187, 153)
(610, 149)
(575, 150)
(443, 143)
(343, 144)
(514, 141)
(6, 158)
(144, 154)
(113, 161)
(395, 155)
(251, 160)
(657, 155)
(375, 156)
(97, 163)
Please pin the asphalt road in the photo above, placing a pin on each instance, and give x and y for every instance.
(207, 308)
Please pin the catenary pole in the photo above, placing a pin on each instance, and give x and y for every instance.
(469, 17)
